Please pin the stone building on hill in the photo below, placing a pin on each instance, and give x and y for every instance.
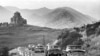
(17, 19)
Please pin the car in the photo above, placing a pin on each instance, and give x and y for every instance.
(39, 49)
(53, 52)
(64, 53)
(31, 47)
(74, 50)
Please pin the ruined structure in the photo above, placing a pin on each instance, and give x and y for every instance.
(4, 24)
(17, 19)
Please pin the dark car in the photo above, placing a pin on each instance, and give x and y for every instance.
(54, 52)
(39, 49)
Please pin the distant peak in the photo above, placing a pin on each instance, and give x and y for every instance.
(65, 8)
(44, 8)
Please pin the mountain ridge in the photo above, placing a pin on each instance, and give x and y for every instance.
(62, 17)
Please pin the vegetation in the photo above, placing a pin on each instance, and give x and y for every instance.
(68, 38)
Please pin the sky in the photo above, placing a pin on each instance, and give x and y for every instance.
(88, 7)
(47, 3)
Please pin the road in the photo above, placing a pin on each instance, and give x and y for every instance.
(42, 54)
(39, 54)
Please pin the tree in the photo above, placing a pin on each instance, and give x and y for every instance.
(68, 38)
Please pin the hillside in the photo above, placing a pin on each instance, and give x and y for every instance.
(19, 33)
(11, 8)
(23, 35)
(88, 36)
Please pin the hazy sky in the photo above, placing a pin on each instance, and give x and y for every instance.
(48, 3)
(90, 7)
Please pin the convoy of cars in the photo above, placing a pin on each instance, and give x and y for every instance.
(54, 50)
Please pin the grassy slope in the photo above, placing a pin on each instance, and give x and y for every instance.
(22, 35)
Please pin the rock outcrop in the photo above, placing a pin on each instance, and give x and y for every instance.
(17, 19)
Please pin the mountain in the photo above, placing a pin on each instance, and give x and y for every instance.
(30, 12)
(66, 17)
(43, 10)
(4, 14)
(63, 17)
(11, 8)
(35, 16)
